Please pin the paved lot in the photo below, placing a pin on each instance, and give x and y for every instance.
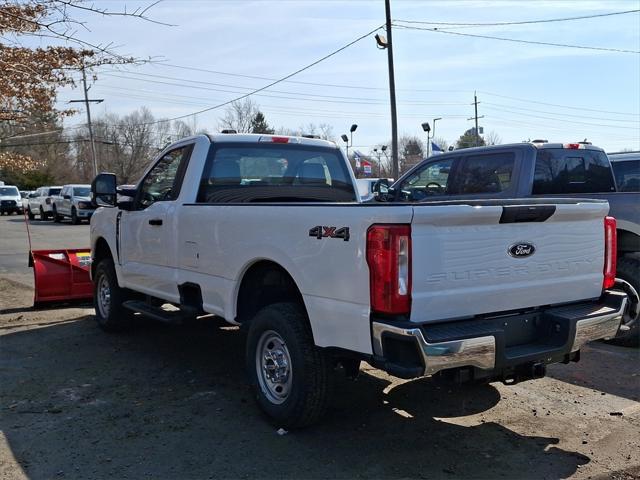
(171, 402)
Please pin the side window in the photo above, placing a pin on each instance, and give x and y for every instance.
(432, 179)
(490, 173)
(164, 180)
(561, 171)
(627, 175)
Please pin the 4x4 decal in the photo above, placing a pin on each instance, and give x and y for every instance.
(321, 232)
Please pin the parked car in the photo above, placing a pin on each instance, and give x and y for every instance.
(41, 202)
(269, 232)
(10, 201)
(626, 167)
(24, 194)
(73, 202)
(365, 187)
(531, 170)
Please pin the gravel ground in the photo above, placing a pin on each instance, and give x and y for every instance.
(171, 402)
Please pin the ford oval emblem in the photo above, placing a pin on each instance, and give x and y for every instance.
(521, 250)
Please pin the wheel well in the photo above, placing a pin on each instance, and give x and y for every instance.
(628, 241)
(265, 283)
(101, 252)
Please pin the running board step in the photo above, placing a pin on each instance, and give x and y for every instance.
(174, 317)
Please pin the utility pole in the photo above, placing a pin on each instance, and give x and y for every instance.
(392, 93)
(86, 102)
(476, 117)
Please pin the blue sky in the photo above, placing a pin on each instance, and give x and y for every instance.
(526, 91)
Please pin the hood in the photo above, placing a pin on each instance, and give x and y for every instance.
(17, 198)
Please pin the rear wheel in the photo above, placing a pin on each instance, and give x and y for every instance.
(108, 298)
(290, 376)
(74, 216)
(628, 280)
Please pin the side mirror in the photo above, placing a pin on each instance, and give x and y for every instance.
(67, 197)
(381, 187)
(103, 190)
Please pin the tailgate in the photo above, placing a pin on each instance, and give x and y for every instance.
(466, 262)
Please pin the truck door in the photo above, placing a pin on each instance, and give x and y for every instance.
(147, 231)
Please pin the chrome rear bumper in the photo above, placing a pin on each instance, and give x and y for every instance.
(575, 326)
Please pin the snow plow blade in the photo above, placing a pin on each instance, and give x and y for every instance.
(61, 276)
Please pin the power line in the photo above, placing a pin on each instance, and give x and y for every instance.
(315, 84)
(527, 100)
(523, 22)
(515, 40)
(563, 113)
(275, 82)
(319, 98)
(575, 122)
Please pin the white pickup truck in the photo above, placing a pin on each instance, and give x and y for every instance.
(268, 232)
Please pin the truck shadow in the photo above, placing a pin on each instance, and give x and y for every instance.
(172, 403)
(46, 223)
(604, 367)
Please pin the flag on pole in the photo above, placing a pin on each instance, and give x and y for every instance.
(435, 149)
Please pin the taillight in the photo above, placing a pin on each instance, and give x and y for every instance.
(610, 256)
(573, 146)
(389, 260)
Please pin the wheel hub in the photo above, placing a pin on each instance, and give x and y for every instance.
(273, 367)
(104, 296)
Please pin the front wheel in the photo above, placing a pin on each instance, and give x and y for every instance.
(108, 298)
(30, 214)
(290, 376)
(74, 216)
(56, 218)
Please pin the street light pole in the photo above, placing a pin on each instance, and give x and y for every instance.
(433, 131)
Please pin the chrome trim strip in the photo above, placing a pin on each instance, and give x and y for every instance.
(478, 352)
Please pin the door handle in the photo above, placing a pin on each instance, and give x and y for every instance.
(155, 221)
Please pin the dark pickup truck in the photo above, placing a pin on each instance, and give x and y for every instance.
(529, 170)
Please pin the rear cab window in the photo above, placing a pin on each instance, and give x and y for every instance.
(240, 173)
(559, 171)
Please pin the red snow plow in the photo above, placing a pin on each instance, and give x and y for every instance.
(61, 276)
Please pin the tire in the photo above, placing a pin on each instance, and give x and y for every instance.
(43, 216)
(30, 214)
(74, 216)
(628, 270)
(108, 298)
(56, 218)
(282, 332)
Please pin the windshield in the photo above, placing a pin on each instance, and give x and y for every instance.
(81, 191)
(275, 173)
(13, 191)
(627, 175)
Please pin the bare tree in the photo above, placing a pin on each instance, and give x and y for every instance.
(239, 115)
(492, 138)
